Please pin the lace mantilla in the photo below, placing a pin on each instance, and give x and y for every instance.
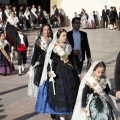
(41, 42)
(102, 81)
(3, 43)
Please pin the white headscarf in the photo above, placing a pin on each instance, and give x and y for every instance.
(78, 109)
(91, 18)
(47, 59)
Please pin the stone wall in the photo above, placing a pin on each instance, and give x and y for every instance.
(52, 2)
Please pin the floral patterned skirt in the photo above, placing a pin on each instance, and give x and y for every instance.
(100, 109)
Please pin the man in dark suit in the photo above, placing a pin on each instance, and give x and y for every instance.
(79, 42)
(105, 14)
(112, 18)
(21, 45)
(117, 76)
(55, 10)
(40, 15)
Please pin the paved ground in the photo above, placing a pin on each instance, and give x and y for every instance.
(14, 102)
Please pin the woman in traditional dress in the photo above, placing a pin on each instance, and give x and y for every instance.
(6, 65)
(58, 89)
(13, 19)
(34, 16)
(84, 20)
(46, 17)
(93, 101)
(91, 21)
(7, 11)
(11, 30)
(37, 62)
(27, 16)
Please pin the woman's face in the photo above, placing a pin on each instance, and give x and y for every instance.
(99, 72)
(33, 6)
(12, 14)
(2, 37)
(27, 8)
(44, 12)
(6, 7)
(46, 31)
(63, 37)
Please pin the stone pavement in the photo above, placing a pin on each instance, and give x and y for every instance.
(14, 102)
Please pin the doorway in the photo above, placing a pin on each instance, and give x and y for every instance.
(14, 2)
(45, 4)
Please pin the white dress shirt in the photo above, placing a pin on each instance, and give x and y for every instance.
(105, 10)
(21, 38)
(77, 42)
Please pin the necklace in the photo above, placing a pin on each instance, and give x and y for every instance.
(63, 46)
(98, 80)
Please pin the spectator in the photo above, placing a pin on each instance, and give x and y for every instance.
(6, 65)
(105, 15)
(79, 42)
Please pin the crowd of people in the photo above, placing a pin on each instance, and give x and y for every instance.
(60, 89)
(55, 78)
(30, 17)
(110, 18)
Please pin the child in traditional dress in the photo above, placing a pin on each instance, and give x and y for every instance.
(6, 65)
(21, 44)
(94, 99)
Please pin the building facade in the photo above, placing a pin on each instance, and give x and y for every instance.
(69, 6)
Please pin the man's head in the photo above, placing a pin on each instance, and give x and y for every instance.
(111, 8)
(39, 7)
(76, 23)
(105, 6)
(14, 8)
(21, 7)
(55, 6)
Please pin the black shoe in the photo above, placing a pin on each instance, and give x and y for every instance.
(20, 74)
(53, 116)
(23, 72)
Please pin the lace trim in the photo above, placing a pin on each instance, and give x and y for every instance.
(67, 49)
(41, 42)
